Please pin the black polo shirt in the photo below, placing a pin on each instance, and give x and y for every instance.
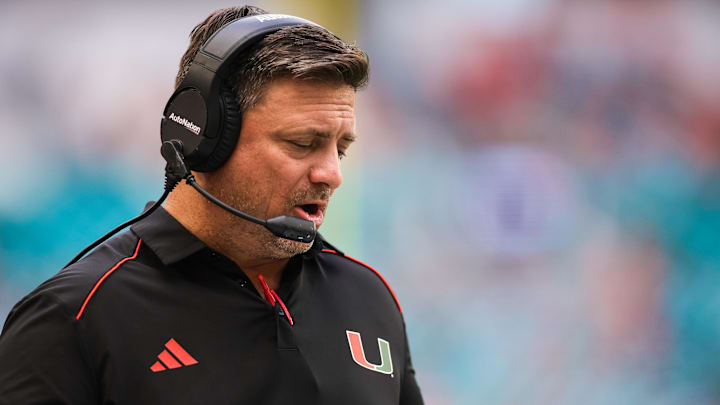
(154, 316)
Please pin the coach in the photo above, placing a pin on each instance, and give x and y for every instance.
(196, 305)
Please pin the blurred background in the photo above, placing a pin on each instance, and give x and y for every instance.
(539, 180)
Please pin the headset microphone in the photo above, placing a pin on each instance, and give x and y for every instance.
(284, 226)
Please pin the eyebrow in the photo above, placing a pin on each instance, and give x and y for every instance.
(348, 136)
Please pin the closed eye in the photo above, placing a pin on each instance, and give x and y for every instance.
(305, 145)
(300, 145)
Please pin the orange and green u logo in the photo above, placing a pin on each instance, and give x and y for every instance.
(358, 354)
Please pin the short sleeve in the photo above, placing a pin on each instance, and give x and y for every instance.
(42, 359)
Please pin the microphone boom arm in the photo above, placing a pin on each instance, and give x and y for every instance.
(284, 226)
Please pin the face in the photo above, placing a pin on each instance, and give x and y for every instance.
(287, 160)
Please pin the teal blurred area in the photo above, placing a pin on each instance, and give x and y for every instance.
(539, 180)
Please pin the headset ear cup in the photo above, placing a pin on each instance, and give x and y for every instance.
(228, 135)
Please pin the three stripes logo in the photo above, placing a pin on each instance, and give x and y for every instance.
(358, 354)
(172, 357)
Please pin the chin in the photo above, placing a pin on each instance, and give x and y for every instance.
(280, 248)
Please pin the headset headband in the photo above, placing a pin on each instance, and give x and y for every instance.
(201, 113)
(238, 35)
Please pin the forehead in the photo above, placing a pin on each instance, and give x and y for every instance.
(291, 103)
(287, 92)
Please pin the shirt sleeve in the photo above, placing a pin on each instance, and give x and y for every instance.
(410, 391)
(42, 359)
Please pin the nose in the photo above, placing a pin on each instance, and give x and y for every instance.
(326, 169)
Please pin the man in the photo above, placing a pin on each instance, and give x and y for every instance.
(196, 305)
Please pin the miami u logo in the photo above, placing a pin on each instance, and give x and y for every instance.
(358, 354)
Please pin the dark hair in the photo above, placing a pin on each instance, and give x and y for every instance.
(305, 52)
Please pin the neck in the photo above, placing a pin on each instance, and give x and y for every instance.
(272, 272)
(224, 233)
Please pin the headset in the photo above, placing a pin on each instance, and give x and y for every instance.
(202, 113)
(201, 122)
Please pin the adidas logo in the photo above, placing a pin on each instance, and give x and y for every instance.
(172, 357)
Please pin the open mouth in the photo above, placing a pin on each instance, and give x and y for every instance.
(311, 209)
(311, 212)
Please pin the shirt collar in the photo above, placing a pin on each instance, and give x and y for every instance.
(166, 237)
(171, 242)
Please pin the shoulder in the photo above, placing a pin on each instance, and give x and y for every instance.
(72, 288)
(356, 271)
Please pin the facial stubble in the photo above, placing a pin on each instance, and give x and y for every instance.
(239, 234)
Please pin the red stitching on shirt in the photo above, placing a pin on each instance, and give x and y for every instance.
(106, 275)
(271, 296)
(282, 305)
(375, 271)
(268, 295)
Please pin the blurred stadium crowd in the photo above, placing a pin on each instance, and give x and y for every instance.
(539, 180)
